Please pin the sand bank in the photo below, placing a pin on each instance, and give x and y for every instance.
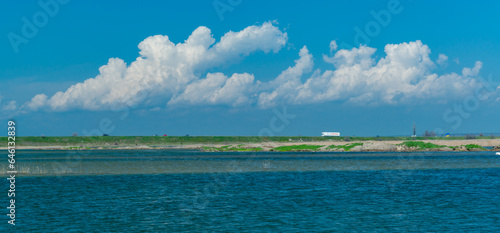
(458, 145)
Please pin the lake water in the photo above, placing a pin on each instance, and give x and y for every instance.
(191, 191)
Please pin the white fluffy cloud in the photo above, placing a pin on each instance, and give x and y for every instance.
(176, 74)
(284, 87)
(333, 46)
(10, 107)
(217, 89)
(404, 75)
(164, 69)
(442, 60)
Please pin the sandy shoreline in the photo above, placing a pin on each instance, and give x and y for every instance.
(268, 146)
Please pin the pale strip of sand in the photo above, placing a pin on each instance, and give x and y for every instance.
(375, 145)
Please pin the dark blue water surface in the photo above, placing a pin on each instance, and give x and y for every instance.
(355, 200)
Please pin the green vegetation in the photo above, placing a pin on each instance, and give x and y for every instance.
(421, 145)
(231, 148)
(474, 146)
(297, 148)
(346, 147)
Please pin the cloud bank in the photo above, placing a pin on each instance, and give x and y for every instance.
(404, 75)
(175, 74)
(165, 69)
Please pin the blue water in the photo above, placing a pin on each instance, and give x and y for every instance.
(436, 194)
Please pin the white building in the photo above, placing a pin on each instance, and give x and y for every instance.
(330, 134)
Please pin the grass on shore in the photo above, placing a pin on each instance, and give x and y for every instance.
(346, 147)
(231, 148)
(302, 147)
(474, 146)
(421, 145)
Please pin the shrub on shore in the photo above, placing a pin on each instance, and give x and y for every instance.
(421, 145)
(346, 147)
(231, 148)
(297, 148)
(474, 146)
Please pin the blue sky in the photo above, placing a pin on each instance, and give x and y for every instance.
(276, 56)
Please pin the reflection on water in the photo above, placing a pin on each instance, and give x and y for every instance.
(106, 162)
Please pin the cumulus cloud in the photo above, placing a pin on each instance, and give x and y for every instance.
(333, 46)
(176, 75)
(361, 56)
(404, 75)
(468, 72)
(8, 108)
(442, 60)
(36, 102)
(284, 87)
(163, 69)
(217, 89)
(11, 106)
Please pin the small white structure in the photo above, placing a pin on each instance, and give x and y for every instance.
(498, 153)
(330, 134)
